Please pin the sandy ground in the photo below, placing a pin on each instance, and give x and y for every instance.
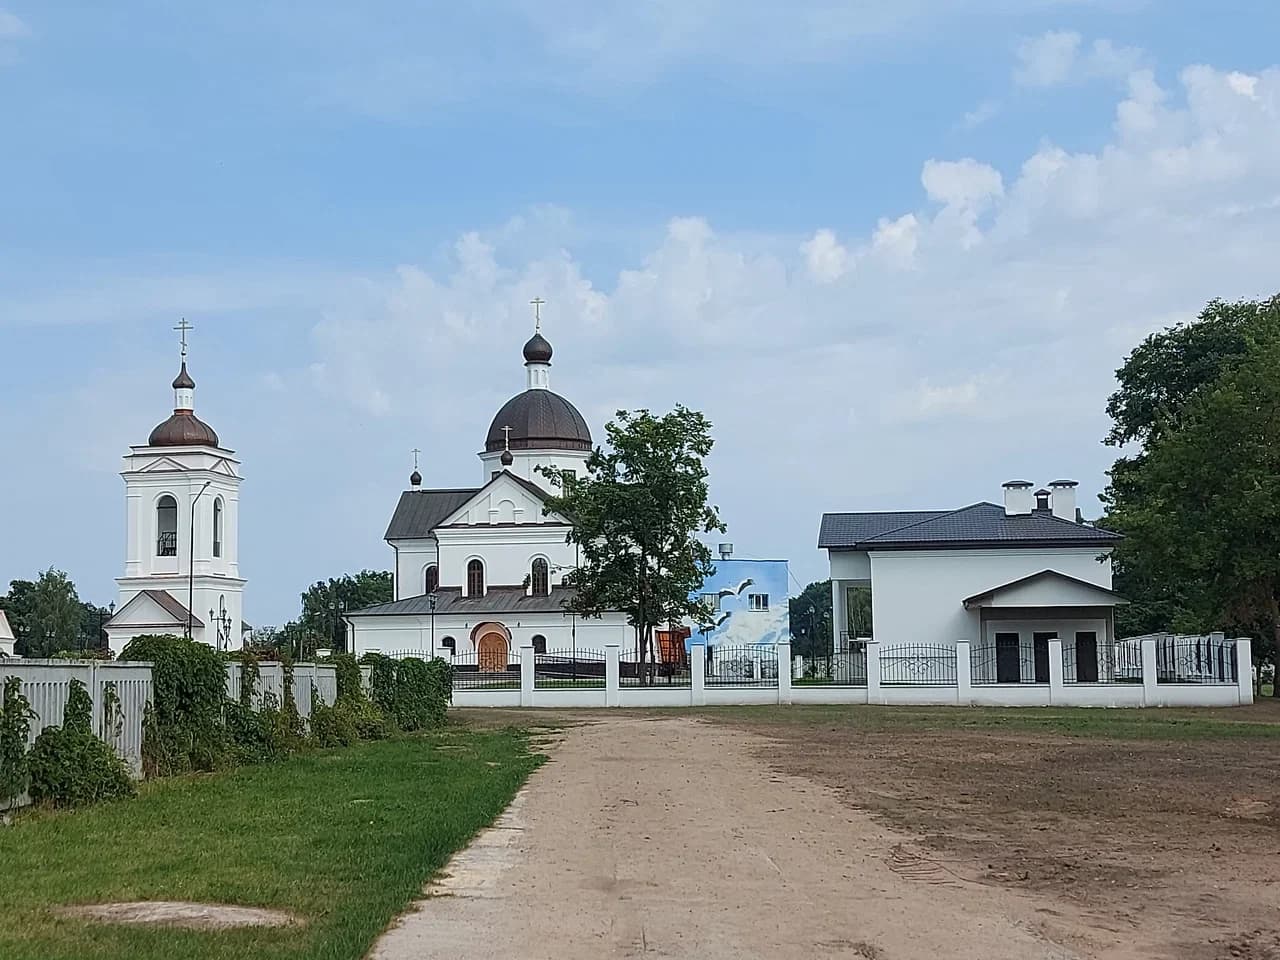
(669, 838)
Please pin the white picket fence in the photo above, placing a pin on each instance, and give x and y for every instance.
(323, 678)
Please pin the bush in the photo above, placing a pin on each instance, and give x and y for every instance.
(382, 681)
(69, 766)
(183, 726)
(332, 726)
(15, 727)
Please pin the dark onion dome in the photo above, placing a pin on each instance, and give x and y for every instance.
(183, 429)
(183, 380)
(539, 420)
(415, 479)
(537, 350)
(507, 458)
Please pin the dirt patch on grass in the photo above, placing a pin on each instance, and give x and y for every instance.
(1170, 845)
(176, 913)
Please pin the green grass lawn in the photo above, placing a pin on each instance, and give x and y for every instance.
(342, 838)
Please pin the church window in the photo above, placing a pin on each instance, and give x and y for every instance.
(167, 527)
(449, 644)
(217, 527)
(539, 643)
(432, 579)
(475, 578)
(541, 578)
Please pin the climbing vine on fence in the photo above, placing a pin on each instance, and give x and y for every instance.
(15, 726)
(69, 766)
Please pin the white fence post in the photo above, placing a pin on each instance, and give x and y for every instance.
(1150, 682)
(784, 675)
(797, 667)
(1056, 692)
(526, 673)
(1244, 669)
(612, 670)
(964, 674)
(698, 672)
(873, 672)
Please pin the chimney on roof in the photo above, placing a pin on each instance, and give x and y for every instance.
(726, 551)
(1062, 499)
(1017, 498)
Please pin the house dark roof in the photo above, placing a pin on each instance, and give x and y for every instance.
(509, 600)
(421, 511)
(978, 525)
(539, 420)
(1042, 575)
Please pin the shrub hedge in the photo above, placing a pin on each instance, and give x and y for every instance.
(69, 766)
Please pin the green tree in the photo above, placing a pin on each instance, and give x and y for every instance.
(325, 602)
(54, 617)
(1199, 500)
(16, 605)
(636, 516)
(811, 620)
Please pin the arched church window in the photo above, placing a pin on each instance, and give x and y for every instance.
(539, 643)
(166, 527)
(449, 644)
(432, 579)
(540, 577)
(475, 578)
(217, 527)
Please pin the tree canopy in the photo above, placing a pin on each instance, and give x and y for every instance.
(636, 517)
(48, 617)
(810, 615)
(325, 600)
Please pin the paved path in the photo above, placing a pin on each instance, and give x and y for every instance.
(666, 838)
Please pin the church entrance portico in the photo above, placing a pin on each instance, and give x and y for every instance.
(493, 645)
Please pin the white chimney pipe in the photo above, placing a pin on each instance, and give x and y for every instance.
(1017, 498)
(1063, 499)
(726, 551)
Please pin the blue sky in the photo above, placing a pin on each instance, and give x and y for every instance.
(895, 251)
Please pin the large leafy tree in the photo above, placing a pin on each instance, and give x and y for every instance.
(325, 601)
(811, 620)
(636, 517)
(55, 615)
(1198, 495)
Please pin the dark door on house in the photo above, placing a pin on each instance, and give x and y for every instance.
(1040, 647)
(1087, 657)
(1008, 668)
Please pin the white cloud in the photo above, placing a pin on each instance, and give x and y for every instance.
(1058, 56)
(11, 27)
(980, 114)
(826, 258)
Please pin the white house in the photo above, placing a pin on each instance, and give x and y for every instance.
(1006, 578)
(182, 496)
(6, 636)
(479, 570)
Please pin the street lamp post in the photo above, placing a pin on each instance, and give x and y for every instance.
(191, 557)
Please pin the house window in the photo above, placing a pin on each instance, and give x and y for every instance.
(475, 578)
(541, 578)
(539, 643)
(217, 527)
(758, 601)
(432, 578)
(167, 527)
(711, 601)
(449, 644)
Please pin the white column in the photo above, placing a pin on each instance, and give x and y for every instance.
(873, 672)
(839, 615)
(1057, 694)
(1244, 669)
(784, 675)
(698, 672)
(612, 669)
(964, 674)
(526, 673)
(1150, 688)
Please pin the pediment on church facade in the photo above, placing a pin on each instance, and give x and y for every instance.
(153, 608)
(507, 500)
(161, 465)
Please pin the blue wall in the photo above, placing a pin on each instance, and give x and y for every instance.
(736, 624)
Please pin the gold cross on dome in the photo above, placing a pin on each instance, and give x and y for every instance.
(537, 313)
(415, 451)
(183, 327)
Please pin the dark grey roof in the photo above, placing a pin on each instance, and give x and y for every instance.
(420, 511)
(537, 350)
(539, 420)
(978, 525)
(450, 600)
(1043, 574)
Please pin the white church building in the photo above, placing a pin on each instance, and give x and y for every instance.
(182, 497)
(479, 571)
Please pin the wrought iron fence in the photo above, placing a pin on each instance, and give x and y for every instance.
(1110, 663)
(631, 673)
(846, 669)
(568, 668)
(1187, 659)
(1013, 663)
(472, 671)
(742, 666)
(917, 663)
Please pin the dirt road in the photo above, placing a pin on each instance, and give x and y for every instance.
(669, 838)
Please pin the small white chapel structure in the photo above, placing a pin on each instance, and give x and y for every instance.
(182, 496)
(479, 570)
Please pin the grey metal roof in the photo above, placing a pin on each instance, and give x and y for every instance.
(451, 601)
(539, 420)
(977, 525)
(420, 511)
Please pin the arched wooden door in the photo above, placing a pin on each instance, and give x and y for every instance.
(491, 653)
